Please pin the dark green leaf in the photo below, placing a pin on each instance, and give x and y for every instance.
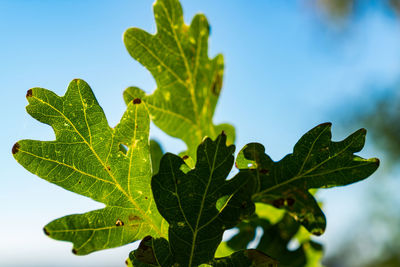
(155, 252)
(188, 201)
(152, 252)
(316, 162)
(277, 234)
(188, 82)
(200, 204)
(249, 257)
(86, 158)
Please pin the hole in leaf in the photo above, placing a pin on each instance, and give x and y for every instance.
(221, 202)
(257, 237)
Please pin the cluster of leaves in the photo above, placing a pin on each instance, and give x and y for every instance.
(180, 206)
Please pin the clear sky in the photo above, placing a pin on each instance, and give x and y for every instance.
(286, 72)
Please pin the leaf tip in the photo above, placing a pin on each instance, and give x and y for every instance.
(325, 124)
(29, 93)
(136, 101)
(46, 232)
(377, 161)
(15, 148)
(363, 131)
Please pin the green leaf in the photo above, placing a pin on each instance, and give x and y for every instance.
(152, 252)
(156, 252)
(188, 82)
(200, 204)
(156, 153)
(86, 158)
(316, 162)
(313, 250)
(274, 241)
(249, 257)
(278, 230)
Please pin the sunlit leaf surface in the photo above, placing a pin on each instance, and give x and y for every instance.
(188, 82)
(86, 158)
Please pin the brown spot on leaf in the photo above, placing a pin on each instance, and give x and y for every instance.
(325, 124)
(74, 251)
(79, 182)
(46, 232)
(29, 93)
(278, 202)
(217, 85)
(15, 148)
(185, 157)
(223, 133)
(126, 262)
(133, 217)
(109, 168)
(377, 162)
(290, 201)
(146, 198)
(136, 101)
(119, 223)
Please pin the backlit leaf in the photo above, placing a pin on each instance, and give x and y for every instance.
(316, 162)
(188, 82)
(86, 158)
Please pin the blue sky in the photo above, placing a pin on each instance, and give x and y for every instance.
(286, 71)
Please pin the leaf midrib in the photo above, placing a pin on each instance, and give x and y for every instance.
(202, 203)
(191, 86)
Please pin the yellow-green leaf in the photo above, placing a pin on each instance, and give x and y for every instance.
(188, 81)
(86, 158)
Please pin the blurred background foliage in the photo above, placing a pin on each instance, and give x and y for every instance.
(346, 9)
(376, 241)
